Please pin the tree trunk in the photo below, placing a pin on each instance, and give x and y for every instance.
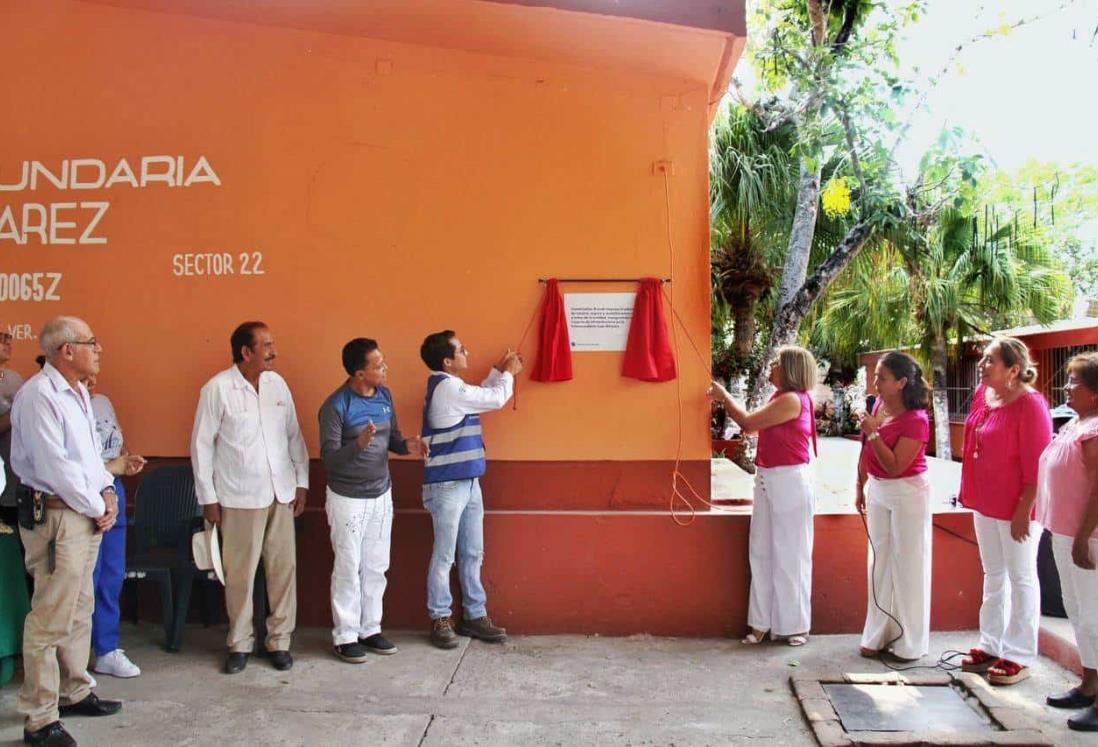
(818, 18)
(801, 235)
(743, 314)
(793, 275)
(938, 362)
(787, 322)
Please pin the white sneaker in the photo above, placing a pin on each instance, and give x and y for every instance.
(116, 664)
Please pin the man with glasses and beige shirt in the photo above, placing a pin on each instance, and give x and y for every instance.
(68, 503)
(251, 475)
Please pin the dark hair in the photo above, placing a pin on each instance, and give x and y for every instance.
(41, 361)
(355, 352)
(244, 337)
(1085, 366)
(436, 348)
(916, 392)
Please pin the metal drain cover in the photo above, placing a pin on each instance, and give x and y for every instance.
(880, 707)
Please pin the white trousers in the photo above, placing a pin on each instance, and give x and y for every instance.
(898, 517)
(1011, 610)
(781, 550)
(1080, 590)
(360, 532)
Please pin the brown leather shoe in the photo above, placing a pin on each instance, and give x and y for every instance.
(483, 629)
(442, 633)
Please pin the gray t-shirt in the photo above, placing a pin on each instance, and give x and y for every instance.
(106, 426)
(355, 472)
(10, 381)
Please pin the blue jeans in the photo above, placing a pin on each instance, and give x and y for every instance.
(110, 570)
(457, 512)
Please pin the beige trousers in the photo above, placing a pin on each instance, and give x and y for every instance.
(57, 632)
(249, 534)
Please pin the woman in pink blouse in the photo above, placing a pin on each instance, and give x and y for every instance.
(894, 494)
(780, 542)
(1067, 505)
(1006, 430)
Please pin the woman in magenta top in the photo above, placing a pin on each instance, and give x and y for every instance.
(1007, 428)
(1067, 505)
(780, 552)
(894, 494)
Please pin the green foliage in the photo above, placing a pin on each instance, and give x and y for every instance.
(959, 273)
(854, 72)
(832, 84)
(1055, 206)
(753, 189)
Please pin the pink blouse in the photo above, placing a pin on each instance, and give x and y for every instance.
(787, 443)
(913, 424)
(1063, 491)
(1001, 451)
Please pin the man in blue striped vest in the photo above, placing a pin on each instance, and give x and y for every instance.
(451, 484)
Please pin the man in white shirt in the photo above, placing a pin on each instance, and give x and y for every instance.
(251, 475)
(55, 453)
(451, 483)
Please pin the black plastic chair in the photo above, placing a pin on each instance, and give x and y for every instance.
(166, 514)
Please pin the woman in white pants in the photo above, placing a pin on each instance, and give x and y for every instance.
(780, 550)
(894, 494)
(1067, 505)
(1005, 432)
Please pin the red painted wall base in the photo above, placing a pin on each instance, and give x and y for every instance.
(628, 572)
(621, 572)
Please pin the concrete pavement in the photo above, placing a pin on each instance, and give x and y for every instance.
(534, 690)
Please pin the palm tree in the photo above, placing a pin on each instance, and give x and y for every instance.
(753, 180)
(941, 286)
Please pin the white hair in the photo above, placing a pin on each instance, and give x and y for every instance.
(58, 331)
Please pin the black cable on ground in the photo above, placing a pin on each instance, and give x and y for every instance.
(945, 661)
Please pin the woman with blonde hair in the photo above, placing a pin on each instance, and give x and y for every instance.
(780, 603)
(1067, 505)
(1007, 428)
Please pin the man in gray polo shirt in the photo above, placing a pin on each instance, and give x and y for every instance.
(358, 429)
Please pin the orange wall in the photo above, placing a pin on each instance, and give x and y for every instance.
(392, 189)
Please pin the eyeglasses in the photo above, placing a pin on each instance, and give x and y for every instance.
(93, 342)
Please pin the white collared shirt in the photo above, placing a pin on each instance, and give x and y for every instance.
(454, 399)
(246, 446)
(54, 446)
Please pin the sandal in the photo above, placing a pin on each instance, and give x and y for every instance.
(1007, 672)
(754, 637)
(797, 640)
(869, 653)
(977, 661)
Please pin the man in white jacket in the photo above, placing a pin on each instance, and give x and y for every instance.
(251, 474)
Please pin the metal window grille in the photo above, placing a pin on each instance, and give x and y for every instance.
(961, 378)
(1053, 361)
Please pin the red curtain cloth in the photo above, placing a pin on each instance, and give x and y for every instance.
(554, 361)
(648, 354)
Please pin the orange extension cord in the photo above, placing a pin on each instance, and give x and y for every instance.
(677, 495)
